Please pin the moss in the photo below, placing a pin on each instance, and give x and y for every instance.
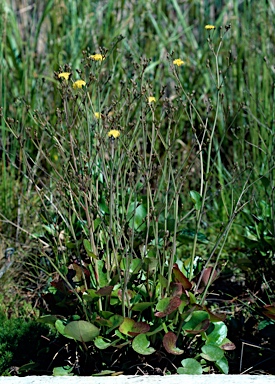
(20, 341)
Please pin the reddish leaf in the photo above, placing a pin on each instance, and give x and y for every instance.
(206, 273)
(171, 305)
(105, 291)
(132, 328)
(270, 315)
(180, 278)
(60, 286)
(270, 308)
(139, 327)
(177, 289)
(269, 311)
(228, 346)
(169, 343)
(215, 317)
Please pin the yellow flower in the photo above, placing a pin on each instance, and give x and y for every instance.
(210, 27)
(79, 84)
(97, 115)
(114, 133)
(151, 99)
(64, 75)
(178, 62)
(97, 57)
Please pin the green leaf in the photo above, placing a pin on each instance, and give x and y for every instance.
(102, 322)
(90, 295)
(136, 215)
(169, 343)
(100, 343)
(102, 275)
(81, 330)
(96, 223)
(88, 248)
(187, 235)
(115, 320)
(103, 206)
(222, 364)
(197, 199)
(49, 228)
(265, 181)
(151, 263)
(163, 281)
(141, 345)
(27, 367)
(106, 372)
(120, 335)
(218, 334)
(47, 319)
(196, 322)
(63, 371)
(60, 326)
(139, 307)
(190, 367)
(212, 352)
(133, 267)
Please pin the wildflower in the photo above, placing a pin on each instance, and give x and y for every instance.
(79, 84)
(64, 75)
(97, 57)
(210, 27)
(151, 99)
(97, 115)
(178, 62)
(114, 133)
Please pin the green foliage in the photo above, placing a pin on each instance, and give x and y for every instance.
(258, 241)
(132, 200)
(81, 331)
(190, 367)
(20, 342)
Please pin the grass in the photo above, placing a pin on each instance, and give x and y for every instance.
(189, 179)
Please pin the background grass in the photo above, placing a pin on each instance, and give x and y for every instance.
(39, 40)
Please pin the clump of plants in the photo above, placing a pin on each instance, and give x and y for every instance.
(128, 172)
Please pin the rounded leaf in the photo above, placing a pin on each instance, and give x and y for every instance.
(100, 343)
(222, 364)
(81, 330)
(218, 334)
(60, 326)
(141, 345)
(131, 328)
(167, 305)
(212, 352)
(169, 343)
(198, 322)
(190, 367)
